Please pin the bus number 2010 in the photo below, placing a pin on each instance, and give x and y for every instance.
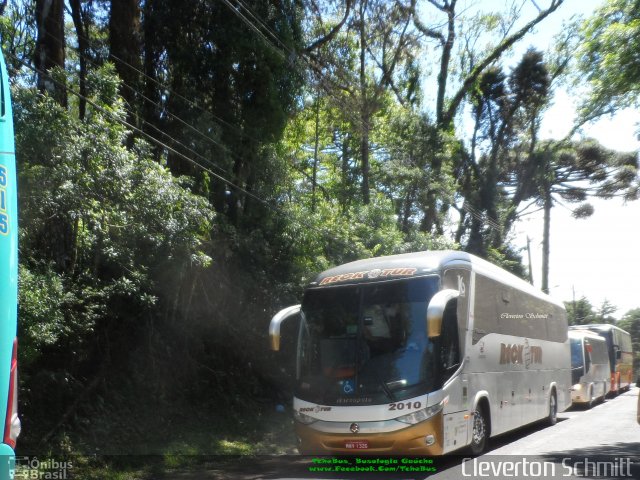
(405, 405)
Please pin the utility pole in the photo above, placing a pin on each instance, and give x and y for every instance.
(530, 265)
(573, 289)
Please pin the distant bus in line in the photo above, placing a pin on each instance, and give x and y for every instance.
(590, 367)
(423, 354)
(620, 354)
(8, 282)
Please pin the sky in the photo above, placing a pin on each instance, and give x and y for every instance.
(594, 257)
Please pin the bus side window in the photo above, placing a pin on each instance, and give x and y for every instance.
(449, 341)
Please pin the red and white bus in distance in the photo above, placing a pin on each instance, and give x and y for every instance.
(620, 354)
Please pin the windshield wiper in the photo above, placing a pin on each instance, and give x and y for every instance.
(386, 388)
(389, 393)
(397, 383)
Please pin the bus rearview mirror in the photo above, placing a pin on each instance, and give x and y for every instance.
(435, 311)
(276, 321)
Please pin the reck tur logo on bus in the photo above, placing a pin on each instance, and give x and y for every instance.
(371, 274)
(520, 354)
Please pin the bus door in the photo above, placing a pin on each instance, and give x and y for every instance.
(452, 346)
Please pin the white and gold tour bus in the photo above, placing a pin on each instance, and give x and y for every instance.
(423, 354)
(589, 367)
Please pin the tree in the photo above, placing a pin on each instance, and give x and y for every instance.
(125, 46)
(372, 59)
(448, 104)
(580, 312)
(134, 231)
(631, 323)
(410, 143)
(244, 83)
(608, 58)
(573, 172)
(506, 111)
(18, 34)
(508, 166)
(50, 46)
(81, 23)
(603, 314)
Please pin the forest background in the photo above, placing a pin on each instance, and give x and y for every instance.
(186, 167)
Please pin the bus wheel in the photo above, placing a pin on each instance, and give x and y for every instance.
(480, 430)
(552, 419)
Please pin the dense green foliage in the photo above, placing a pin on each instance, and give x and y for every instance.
(186, 168)
(105, 233)
(608, 57)
(581, 312)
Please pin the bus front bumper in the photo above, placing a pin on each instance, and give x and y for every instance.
(411, 440)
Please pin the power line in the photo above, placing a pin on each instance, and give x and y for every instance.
(160, 131)
(481, 216)
(154, 140)
(245, 20)
(478, 215)
(169, 114)
(150, 137)
(158, 83)
(168, 89)
(315, 66)
(259, 21)
(160, 106)
(254, 28)
(180, 120)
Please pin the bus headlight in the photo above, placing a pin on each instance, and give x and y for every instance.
(421, 415)
(302, 418)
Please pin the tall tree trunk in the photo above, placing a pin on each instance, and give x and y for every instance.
(450, 10)
(406, 208)
(83, 50)
(50, 46)
(364, 153)
(151, 59)
(545, 236)
(344, 194)
(49, 54)
(125, 48)
(364, 108)
(316, 146)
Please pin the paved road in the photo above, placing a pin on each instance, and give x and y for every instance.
(600, 443)
(608, 433)
(607, 429)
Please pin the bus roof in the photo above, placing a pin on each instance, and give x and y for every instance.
(599, 327)
(585, 333)
(408, 265)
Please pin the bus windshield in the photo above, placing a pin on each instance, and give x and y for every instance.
(366, 343)
(577, 362)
